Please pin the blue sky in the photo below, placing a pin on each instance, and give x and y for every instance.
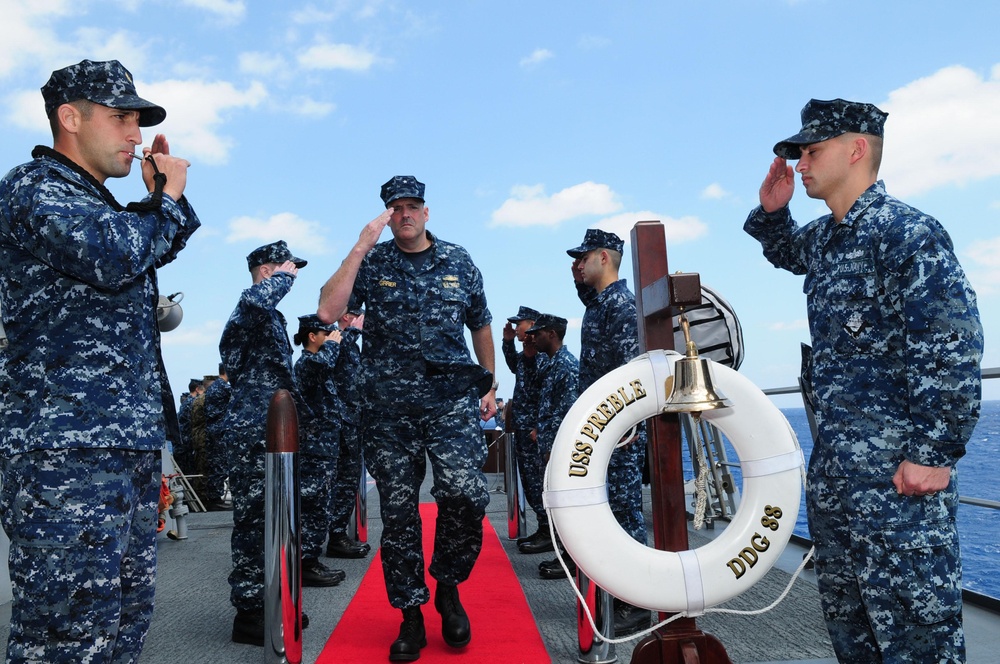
(529, 122)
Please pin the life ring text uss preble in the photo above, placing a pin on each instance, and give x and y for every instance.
(576, 494)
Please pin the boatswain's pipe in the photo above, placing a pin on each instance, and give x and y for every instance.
(517, 525)
(361, 503)
(593, 649)
(282, 538)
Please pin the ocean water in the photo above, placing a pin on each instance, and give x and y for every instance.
(979, 527)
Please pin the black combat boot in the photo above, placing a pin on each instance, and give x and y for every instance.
(455, 626)
(406, 647)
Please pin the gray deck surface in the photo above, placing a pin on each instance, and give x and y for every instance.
(193, 617)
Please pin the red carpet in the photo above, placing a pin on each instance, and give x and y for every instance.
(503, 629)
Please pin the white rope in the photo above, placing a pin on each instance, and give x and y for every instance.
(701, 495)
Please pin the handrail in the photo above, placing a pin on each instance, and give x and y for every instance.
(992, 372)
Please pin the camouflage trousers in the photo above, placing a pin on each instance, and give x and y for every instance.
(889, 570)
(531, 468)
(247, 454)
(82, 525)
(345, 487)
(216, 469)
(317, 475)
(625, 487)
(397, 446)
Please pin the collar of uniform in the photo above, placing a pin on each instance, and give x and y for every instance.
(865, 201)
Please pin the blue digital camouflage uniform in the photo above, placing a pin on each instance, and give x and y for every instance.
(258, 357)
(319, 433)
(421, 399)
(217, 456)
(897, 344)
(345, 487)
(609, 338)
(560, 379)
(524, 418)
(83, 409)
(181, 450)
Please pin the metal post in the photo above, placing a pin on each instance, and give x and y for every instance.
(517, 523)
(361, 503)
(592, 648)
(680, 641)
(282, 537)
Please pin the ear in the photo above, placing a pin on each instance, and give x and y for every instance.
(427, 213)
(859, 148)
(69, 117)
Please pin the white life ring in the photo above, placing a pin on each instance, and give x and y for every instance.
(576, 494)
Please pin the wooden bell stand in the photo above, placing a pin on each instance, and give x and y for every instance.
(658, 294)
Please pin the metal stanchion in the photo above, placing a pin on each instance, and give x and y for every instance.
(517, 524)
(360, 524)
(282, 537)
(592, 648)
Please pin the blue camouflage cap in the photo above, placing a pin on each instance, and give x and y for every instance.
(548, 322)
(595, 238)
(402, 186)
(105, 83)
(276, 252)
(312, 322)
(823, 120)
(524, 313)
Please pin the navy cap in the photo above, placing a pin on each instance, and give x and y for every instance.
(402, 186)
(276, 252)
(595, 238)
(524, 313)
(548, 322)
(312, 322)
(356, 311)
(823, 120)
(105, 83)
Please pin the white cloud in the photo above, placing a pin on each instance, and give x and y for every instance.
(529, 206)
(288, 226)
(230, 10)
(205, 334)
(308, 107)
(983, 266)
(257, 63)
(195, 112)
(25, 35)
(26, 110)
(537, 56)
(593, 42)
(336, 56)
(676, 230)
(942, 130)
(714, 192)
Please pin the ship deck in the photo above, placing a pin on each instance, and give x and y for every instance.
(193, 618)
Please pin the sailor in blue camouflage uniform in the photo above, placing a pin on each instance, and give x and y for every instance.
(85, 403)
(217, 397)
(559, 378)
(182, 449)
(258, 358)
(896, 348)
(423, 397)
(351, 459)
(319, 442)
(609, 338)
(526, 367)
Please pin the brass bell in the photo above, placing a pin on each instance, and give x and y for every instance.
(692, 390)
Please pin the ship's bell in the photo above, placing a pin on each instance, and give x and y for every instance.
(692, 390)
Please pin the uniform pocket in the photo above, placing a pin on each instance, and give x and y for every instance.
(923, 571)
(52, 565)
